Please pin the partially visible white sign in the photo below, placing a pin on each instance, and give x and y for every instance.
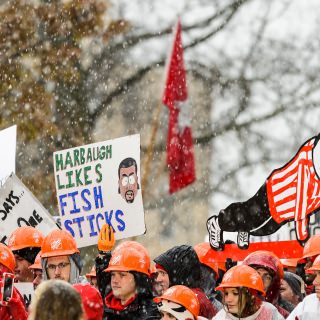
(19, 207)
(26, 289)
(8, 140)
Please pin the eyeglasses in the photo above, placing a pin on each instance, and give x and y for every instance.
(60, 266)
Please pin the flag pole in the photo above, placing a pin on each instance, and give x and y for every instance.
(155, 126)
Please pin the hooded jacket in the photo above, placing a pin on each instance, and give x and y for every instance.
(75, 270)
(183, 267)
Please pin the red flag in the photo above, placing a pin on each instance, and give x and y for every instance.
(180, 154)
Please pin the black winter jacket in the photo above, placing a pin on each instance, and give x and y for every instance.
(182, 265)
(139, 309)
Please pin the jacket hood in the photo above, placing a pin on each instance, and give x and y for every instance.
(75, 270)
(182, 265)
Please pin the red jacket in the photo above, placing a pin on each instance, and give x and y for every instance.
(15, 310)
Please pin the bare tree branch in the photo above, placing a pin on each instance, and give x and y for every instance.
(143, 70)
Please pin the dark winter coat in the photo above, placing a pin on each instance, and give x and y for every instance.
(183, 267)
(139, 309)
(103, 278)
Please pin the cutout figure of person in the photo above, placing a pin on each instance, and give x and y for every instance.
(289, 193)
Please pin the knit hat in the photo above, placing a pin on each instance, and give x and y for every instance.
(91, 301)
(28, 254)
(296, 284)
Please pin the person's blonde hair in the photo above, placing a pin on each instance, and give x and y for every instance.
(56, 300)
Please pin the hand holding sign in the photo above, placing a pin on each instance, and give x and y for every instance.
(106, 238)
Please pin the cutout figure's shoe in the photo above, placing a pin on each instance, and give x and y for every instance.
(215, 233)
(243, 239)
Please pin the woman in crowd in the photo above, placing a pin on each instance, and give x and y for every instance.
(270, 268)
(292, 288)
(243, 288)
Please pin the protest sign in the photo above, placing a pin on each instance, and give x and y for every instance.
(19, 207)
(8, 139)
(27, 290)
(97, 184)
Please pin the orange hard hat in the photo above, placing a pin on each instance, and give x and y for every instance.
(58, 243)
(153, 269)
(184, 296)
(92, 272)
(242, 276)
(312, 247)
(7, 257)
(25, 237)
(37, 262)
(129, 259)
(315, 266)
(132, 244)
(206, 255)
(291, 262)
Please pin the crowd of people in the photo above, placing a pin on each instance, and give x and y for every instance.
(183, 283)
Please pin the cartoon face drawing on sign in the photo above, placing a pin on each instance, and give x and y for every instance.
(290, 193)
(128, 185)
